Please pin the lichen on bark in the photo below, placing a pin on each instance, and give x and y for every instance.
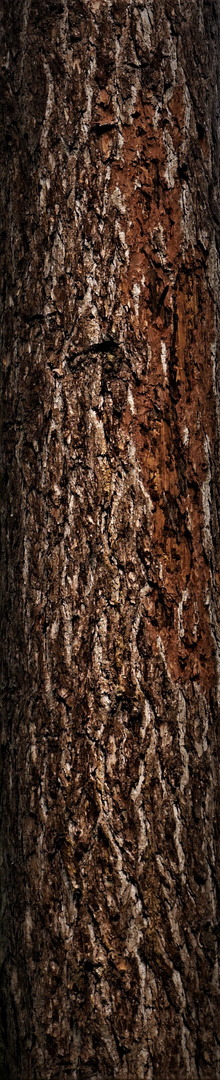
(110, 390)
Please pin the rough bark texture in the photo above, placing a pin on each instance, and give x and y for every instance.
(110, 539)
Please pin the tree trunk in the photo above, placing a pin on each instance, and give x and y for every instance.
(110, 539)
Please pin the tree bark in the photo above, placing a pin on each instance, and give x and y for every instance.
(109, 183)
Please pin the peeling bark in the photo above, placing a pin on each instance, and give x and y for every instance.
(110, 362)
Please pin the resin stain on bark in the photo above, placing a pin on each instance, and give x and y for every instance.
(176, 325)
